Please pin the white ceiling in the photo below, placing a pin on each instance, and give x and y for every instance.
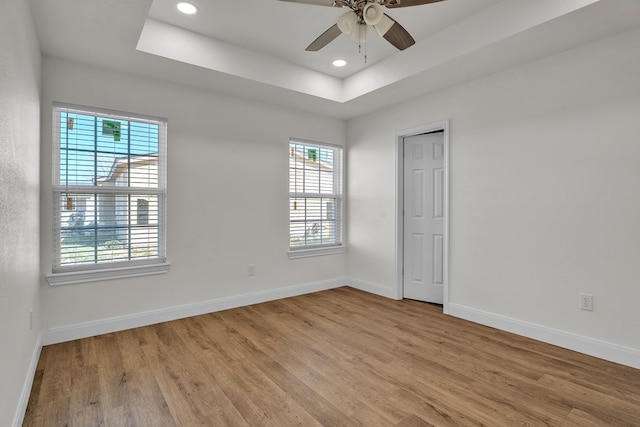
(283, 29)
(255, 48)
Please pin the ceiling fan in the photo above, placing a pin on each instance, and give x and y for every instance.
(363, 13)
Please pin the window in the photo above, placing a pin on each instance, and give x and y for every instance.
(315, 198)
(109, 194)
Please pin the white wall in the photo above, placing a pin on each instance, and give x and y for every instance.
(19, 198)
(545, 190)
(227, 200)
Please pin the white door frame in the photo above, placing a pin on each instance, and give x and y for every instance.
(400, 136)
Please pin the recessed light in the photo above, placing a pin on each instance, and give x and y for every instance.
(339, 63)
(187, 8)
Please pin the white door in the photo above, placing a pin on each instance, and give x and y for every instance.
(423, 277)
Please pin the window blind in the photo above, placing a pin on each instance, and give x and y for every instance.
(109, 188)
(315, 195)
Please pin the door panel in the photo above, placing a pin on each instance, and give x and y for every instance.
(418, 193)
(424, 180)
(438, 265)
(418, 254)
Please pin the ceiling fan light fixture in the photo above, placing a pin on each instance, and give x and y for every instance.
(187, 8)
(372, 13)
(384, 25)
(359, 34)
(348, 22)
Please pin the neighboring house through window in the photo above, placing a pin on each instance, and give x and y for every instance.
(315, 198)
(109, 194)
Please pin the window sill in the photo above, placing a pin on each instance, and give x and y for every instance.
(304, 253)
(75, 277)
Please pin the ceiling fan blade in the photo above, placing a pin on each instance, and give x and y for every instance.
(314, 2)
(407, 3)
(398, 36)
(324, 39)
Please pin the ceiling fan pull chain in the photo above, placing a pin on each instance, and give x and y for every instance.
(365, 45)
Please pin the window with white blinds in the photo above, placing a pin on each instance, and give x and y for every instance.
(315, 196)
(109, 189)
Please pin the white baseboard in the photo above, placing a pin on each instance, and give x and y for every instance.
(18, 418)
(373, 288)
(604, 350)
(593, 347)
(120, 323)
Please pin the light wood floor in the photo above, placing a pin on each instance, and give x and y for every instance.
(333, 358)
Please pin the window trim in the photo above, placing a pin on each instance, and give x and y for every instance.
(74, 274)
(315, 251)
(323, 249)
(101, 274)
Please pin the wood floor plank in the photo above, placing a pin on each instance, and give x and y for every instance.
(315, 368)
(340, 358)
(192, 399)
(609, 409)
(149, 405)
(238, 380)
(413, 421)
(85, 403)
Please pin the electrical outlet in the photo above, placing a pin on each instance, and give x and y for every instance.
(586, 302)
(251, 270)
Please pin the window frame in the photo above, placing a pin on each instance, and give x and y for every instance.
(112, 269)
(303, 251)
